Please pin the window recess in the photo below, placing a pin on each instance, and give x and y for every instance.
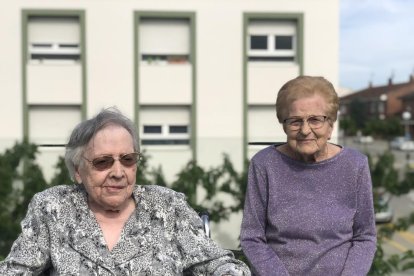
(272, 40)
(164, 41)
(54, 38)
(54, 51)
(165, 135)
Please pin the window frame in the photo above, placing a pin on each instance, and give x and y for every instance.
(25, 61)
(165, 137)
(271, 52)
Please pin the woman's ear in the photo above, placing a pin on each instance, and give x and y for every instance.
(284, 128)
(77, 176)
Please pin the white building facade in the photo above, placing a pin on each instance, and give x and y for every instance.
(199, 78)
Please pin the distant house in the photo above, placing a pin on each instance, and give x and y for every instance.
(381, 102)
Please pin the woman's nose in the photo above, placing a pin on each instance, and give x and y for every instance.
(117, 169)
(305, 128)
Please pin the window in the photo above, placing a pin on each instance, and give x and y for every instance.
(53, 38)
(283, 42)
(152, 129)
(272, 40)
(165, 135)
(165, 125)
(52, 124)
(164, 40)
(178, 129)
(258, 42)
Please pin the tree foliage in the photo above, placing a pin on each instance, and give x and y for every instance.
(383, 129)
(20, 178)
(387, 128)
(385, 176)
(223, 179)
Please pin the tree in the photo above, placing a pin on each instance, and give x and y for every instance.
(357, 111)
(348, 125)
(386, 129)
(20, 178)
(221, 179)
(385, 176)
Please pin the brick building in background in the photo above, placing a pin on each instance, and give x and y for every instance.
(382, 102)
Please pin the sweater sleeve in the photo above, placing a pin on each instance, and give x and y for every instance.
(263, 259)
(29, 254)
(363, 247)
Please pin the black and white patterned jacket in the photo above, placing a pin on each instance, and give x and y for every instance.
(164, 236)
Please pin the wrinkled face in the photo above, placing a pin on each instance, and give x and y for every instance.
(111, 188)
(306, 142)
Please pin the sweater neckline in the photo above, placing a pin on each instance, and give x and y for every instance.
(295, 161)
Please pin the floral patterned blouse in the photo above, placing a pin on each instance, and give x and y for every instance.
(164, 236)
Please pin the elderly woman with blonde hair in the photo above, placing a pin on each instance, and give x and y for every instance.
(309, 208)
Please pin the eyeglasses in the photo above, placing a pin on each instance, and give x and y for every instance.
(314, 122)
(105, 162)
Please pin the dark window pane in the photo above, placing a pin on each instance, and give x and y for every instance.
(152, 129)
(178, 129)
(65, 45)
(258, 42)
(273, 58)
(165, 142)
(42, 45)
(57, 56)
(284, 42)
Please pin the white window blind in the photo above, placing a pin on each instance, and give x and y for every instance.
(54, 38)
(164, 36)
(52, 124)
(271, 27)
(58, 30)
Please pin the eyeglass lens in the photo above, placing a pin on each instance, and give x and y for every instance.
(313, 122)
(105, 162)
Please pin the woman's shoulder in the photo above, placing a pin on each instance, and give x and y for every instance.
(353, 154)
(158, 193)
(266, 153)
(56, 198)
(59, 191)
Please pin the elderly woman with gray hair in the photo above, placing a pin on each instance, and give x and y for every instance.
(106, 224)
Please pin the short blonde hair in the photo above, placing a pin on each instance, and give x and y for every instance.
(303, 87)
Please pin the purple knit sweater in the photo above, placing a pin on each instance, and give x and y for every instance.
(309, 219)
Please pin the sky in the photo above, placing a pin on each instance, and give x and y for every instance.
(376, 42)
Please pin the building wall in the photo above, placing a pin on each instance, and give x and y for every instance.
(394, 103)
(215, 87)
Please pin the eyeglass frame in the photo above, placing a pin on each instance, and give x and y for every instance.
(137, 154)
(303, 120)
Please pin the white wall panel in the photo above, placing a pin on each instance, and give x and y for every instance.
(170, 84)
(52, 125)
(164, 36)
(54, 84)
(53, 30)
(265, 80)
